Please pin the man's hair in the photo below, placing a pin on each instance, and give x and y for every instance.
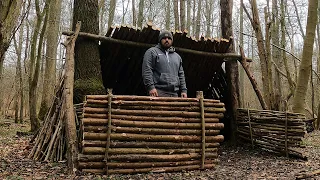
(164, 34)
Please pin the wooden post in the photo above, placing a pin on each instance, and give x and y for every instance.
(71, 132)
(106, 156)
(231, 66)
(286, 130)
(203, 127)
(251, 137)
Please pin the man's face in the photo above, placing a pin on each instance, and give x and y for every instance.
(166, 42)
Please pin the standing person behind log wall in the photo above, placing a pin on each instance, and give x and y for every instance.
(162, 70)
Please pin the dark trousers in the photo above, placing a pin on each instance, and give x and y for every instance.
(162, 93)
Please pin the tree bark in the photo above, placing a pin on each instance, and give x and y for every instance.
(167, 9)
(255, 22)
(176, 15)
(183, 14)
(305, 67)
(198, 21)
(134, 14)
(140, 14)
(112, 8)
(276, 55)
(188, 16)
(35, 58)
(88, 79)
(9, 13)
(231, 67)
(208, 17)
(51, 55)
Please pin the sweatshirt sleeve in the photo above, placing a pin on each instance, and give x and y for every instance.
(147, 70)
(183, 86)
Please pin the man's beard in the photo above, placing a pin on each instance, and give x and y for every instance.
(166, 45)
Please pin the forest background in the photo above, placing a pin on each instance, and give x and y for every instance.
(275, 34)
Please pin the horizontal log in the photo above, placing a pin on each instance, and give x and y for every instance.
(144, 124)
(152, 113)
(145, 157)
(146, 170)
(149, 98)
(261, 130)
(162, 108)
(150, 130)
(102, 151)
(153, 138)
(137, 144)
(90, 102)
(124, 165)
(270, 135)
(269, 140)
(148, 118)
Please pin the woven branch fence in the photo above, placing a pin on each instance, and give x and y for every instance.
(274, 131)
(139, 134)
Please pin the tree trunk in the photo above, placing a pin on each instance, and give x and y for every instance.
(112, 9)
(140, 14)
(51, 55)
(198, 21)
(134, 16)
(87, 76)
(176, 15)
(255, 22)
(188, 15)
(9, 13)
(298, 18)
(305, 67)
(276, 55)
(231, 66)
(18, 78)
(167, 5)
(208, 17)
(241, 70)
(194, 23)
(183, 14)
(102, 12)
(35, 59)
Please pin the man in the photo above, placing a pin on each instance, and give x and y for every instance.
(162, 70)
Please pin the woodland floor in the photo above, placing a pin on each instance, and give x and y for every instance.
(235, 162)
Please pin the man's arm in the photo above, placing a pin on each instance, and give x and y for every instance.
(183, 86)
(147, 70)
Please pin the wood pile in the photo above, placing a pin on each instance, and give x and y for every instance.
(275, 131)
(50, 144)
(139, 134)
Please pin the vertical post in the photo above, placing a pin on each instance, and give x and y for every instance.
(203, 128)
(71, 131)
(286, 130)
(250, 127)
(106, 155)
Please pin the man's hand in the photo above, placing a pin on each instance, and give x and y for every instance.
(153, 92)
(184, 95)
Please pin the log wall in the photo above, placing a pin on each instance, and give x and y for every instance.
(274, 131)
(149, 134)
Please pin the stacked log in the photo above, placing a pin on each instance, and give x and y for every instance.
(274, 131)
(149, 134)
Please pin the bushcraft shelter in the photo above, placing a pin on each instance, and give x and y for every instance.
(121, 61)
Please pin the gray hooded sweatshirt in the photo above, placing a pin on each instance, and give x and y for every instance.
(162, 69)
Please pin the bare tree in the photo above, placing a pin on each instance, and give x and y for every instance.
(183, 14)
(140, 14)
(305, 66)
(188, 15)
(134, 16)
(208, 15)
(197, 33)
(9, 13)
(167, 5)
(176, 15)
(112, 9)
